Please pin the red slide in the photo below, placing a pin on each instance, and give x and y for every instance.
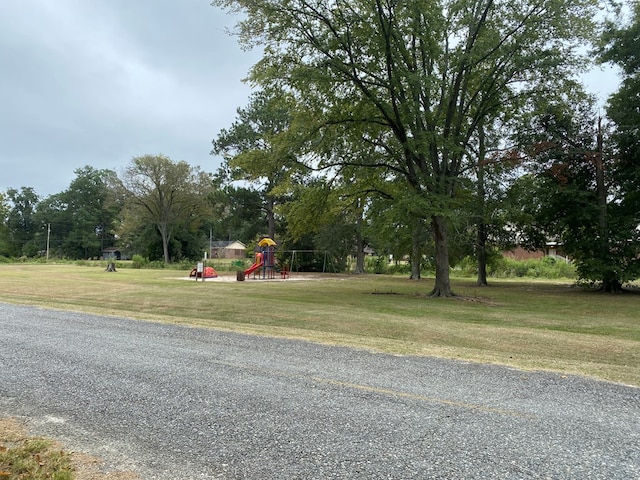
(256, 265)
(252, 268)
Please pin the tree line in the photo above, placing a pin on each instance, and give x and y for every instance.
(427, 131)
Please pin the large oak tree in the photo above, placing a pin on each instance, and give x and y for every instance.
(166, 194)
(421, 75)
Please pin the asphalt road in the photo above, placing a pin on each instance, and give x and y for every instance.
(171, 402)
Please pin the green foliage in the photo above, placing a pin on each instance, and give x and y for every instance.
(172, 197)
(80, 221)
(505, 267)
(21, 223)
(400, 269)
(379, 264)
(410, 81)
(237, 213)
(578, 196)
(138, 261)
(619, 45)
(259, 149)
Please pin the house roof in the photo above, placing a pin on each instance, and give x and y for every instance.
(236, 244)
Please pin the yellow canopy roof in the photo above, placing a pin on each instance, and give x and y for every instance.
(267, 242)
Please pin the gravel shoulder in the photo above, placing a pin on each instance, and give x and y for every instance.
(169, 402)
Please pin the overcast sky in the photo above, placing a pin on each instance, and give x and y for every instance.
(97, 82)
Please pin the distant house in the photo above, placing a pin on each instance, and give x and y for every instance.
(227, 249)
(552, 249)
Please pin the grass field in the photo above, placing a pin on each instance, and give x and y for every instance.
(525, 324)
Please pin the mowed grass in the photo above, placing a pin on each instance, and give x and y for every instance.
(529, 325)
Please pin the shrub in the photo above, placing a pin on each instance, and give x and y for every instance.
(547, 267)
(138, 261)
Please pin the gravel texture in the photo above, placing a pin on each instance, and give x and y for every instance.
(172, 402)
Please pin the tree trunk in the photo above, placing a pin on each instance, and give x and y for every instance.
(442, 287)
(611, 286)
(164, 233)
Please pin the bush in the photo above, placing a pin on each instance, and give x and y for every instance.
(547, 267)
(399, 268)
(138, 261)
(156, 264)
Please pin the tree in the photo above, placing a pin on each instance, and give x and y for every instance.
(166, 194)
(578, 197)
(21, 222)
(619, 45)
(254, 149)
(329, 214)
(81, 218)
(4, 232)
(238, 213)
(425, 73)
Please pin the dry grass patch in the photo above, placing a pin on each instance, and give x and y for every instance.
(23, 457)
(532, 325)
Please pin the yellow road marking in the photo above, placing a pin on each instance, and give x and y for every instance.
(413, 396)
(378, 390)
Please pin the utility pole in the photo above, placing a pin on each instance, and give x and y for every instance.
(48, 237)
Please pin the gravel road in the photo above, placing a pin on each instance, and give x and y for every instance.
(173, 402)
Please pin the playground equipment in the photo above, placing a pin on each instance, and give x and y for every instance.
(208, 272)
(265, 261)
(256, 265)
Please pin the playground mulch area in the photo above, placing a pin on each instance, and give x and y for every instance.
(232, 277)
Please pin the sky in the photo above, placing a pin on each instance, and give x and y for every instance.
(98, 82)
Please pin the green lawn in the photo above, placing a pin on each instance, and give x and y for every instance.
(526, 324)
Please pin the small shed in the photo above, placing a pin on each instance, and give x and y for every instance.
(228, 249)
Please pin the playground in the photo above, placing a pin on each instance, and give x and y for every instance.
(264, 267)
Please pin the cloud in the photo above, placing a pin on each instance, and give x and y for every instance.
(96, 83)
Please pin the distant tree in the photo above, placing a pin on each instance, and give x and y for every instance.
(4, 231)
(21, 223)
(82, 217)
(256, 150)
(237, 213)
(396, 225)
(328, 216)
(94, 211)
(54, 219)
(578, 197)
(165, 194)
(481, 227)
